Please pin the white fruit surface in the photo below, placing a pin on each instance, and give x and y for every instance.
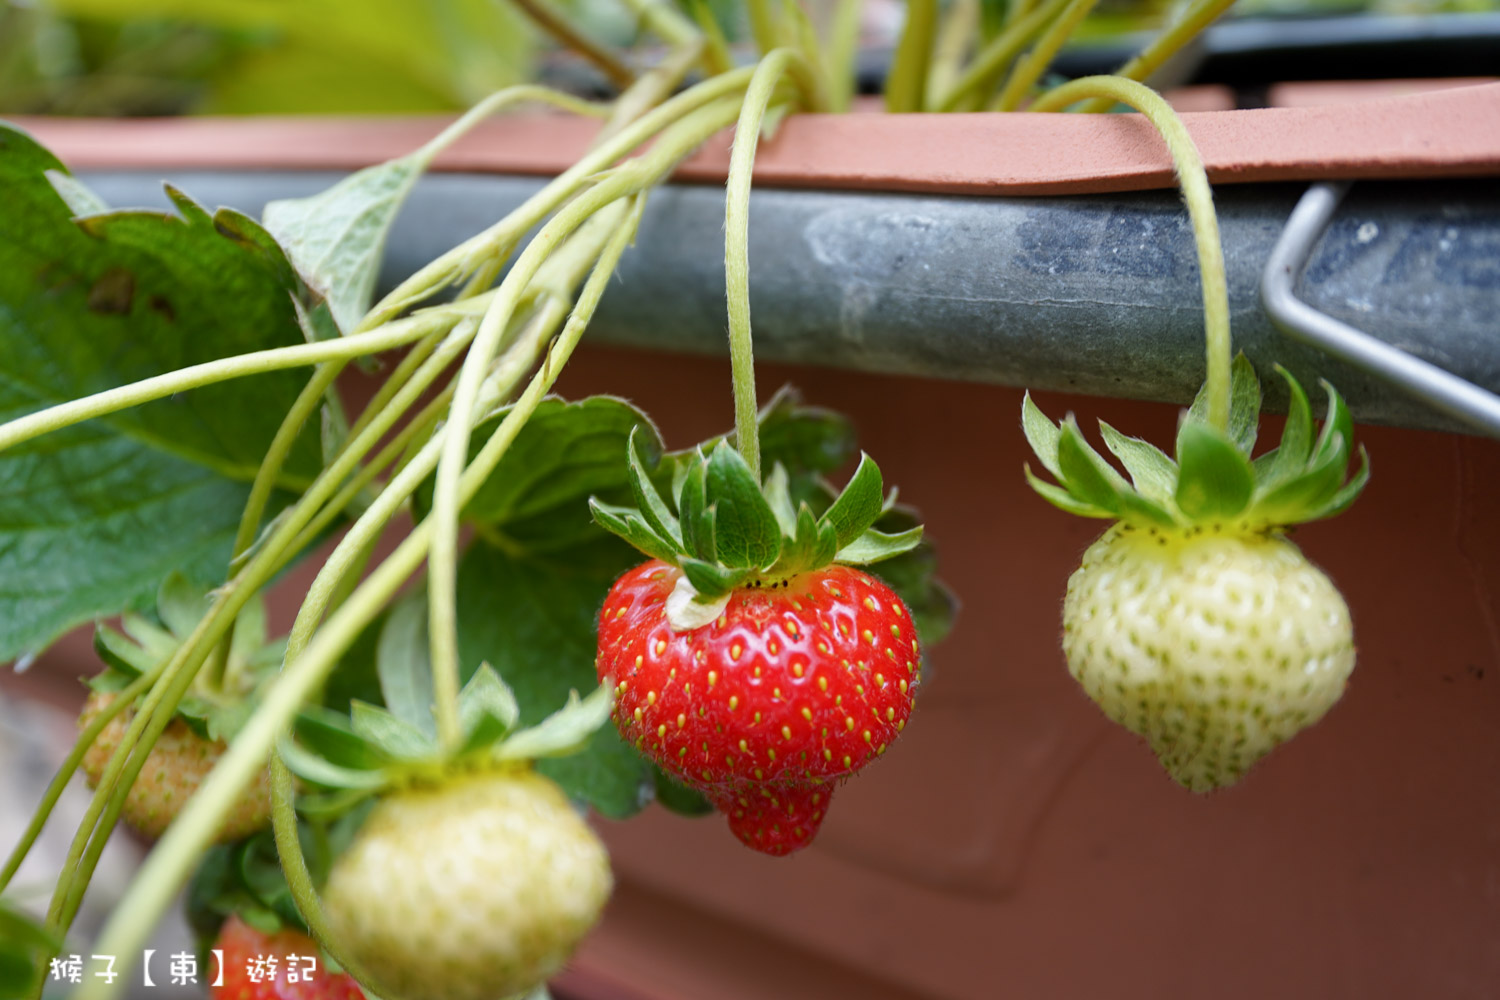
(1215, 646)
(476, 890)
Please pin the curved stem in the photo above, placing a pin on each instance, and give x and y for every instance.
(737, 249)
(1029, 69)
(1197, 17)
(456, 262)
(298, 879)
(1200, 203)
(100, 404)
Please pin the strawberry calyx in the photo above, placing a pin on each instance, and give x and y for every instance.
(729, 531)
(372, 748)
(1213, 480)
(214, 709)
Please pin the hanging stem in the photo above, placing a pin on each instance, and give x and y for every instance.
(1200, 203)
(574, 38)
(737, 248)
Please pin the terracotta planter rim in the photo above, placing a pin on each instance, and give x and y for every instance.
(1451, 132)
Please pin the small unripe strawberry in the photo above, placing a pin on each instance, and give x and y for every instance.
(476, 889)
(174, 769)
(1216, 647)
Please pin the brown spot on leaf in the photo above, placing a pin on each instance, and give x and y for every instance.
(113, 292)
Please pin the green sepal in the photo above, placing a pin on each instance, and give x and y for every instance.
(652, 507)
(631, 526)
(1151, 471)
(1346, 494)
(1311, 489)
(746, 532)
(875, 546)
(329, 734)
(1085, 474)
(1244, 404)
(1214, 479)
(1043, 435)
(1337, 423)
(487, 708)
(779, 495)
(859, 505)
(397, 738)
(691, 501)
(563, 732)
(1296, 437)
(712, 580)
(812, 543)
(1062, 499)
(319, 770)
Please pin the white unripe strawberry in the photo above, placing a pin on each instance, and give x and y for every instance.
(1215, 646)
(1193, 622)
(477, 889)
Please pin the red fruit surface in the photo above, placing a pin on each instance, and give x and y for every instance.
(246, 949)
(792, 688)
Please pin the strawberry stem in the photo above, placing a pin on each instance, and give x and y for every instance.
(737, 244)
(1200, 203)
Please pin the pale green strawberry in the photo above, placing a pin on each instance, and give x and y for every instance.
(476, 889)
(1193, 622)
(1215, 647)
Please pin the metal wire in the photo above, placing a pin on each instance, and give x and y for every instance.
(1442, 390)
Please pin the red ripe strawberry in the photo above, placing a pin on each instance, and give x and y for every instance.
(791, 687)
(746, 660)
(286, 965)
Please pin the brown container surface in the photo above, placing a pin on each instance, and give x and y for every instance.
(1436, 133)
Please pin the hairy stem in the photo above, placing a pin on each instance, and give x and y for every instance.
(737, 249)
(1200, 203)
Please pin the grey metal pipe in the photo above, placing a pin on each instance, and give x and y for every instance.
(1095, 294)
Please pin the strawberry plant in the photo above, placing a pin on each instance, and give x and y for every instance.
(424, 734)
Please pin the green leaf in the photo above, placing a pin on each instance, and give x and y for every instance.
(802, 438)
(1295, 449)
(80, 199)
(652, 507)
(1214, 478)
(859, 505)
(876, 546)
(25, 947)
(1244, 404)
(566, 453)
(677, 797)
(913, 575)
(396, 737)
(96, 304)
(403, 663)
(1042, 434)
(1152, 472)
(533, 619)
(1087, 476)
(746, 532)
(336, 238)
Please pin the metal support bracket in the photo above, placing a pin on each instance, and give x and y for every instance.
(1444, 391)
